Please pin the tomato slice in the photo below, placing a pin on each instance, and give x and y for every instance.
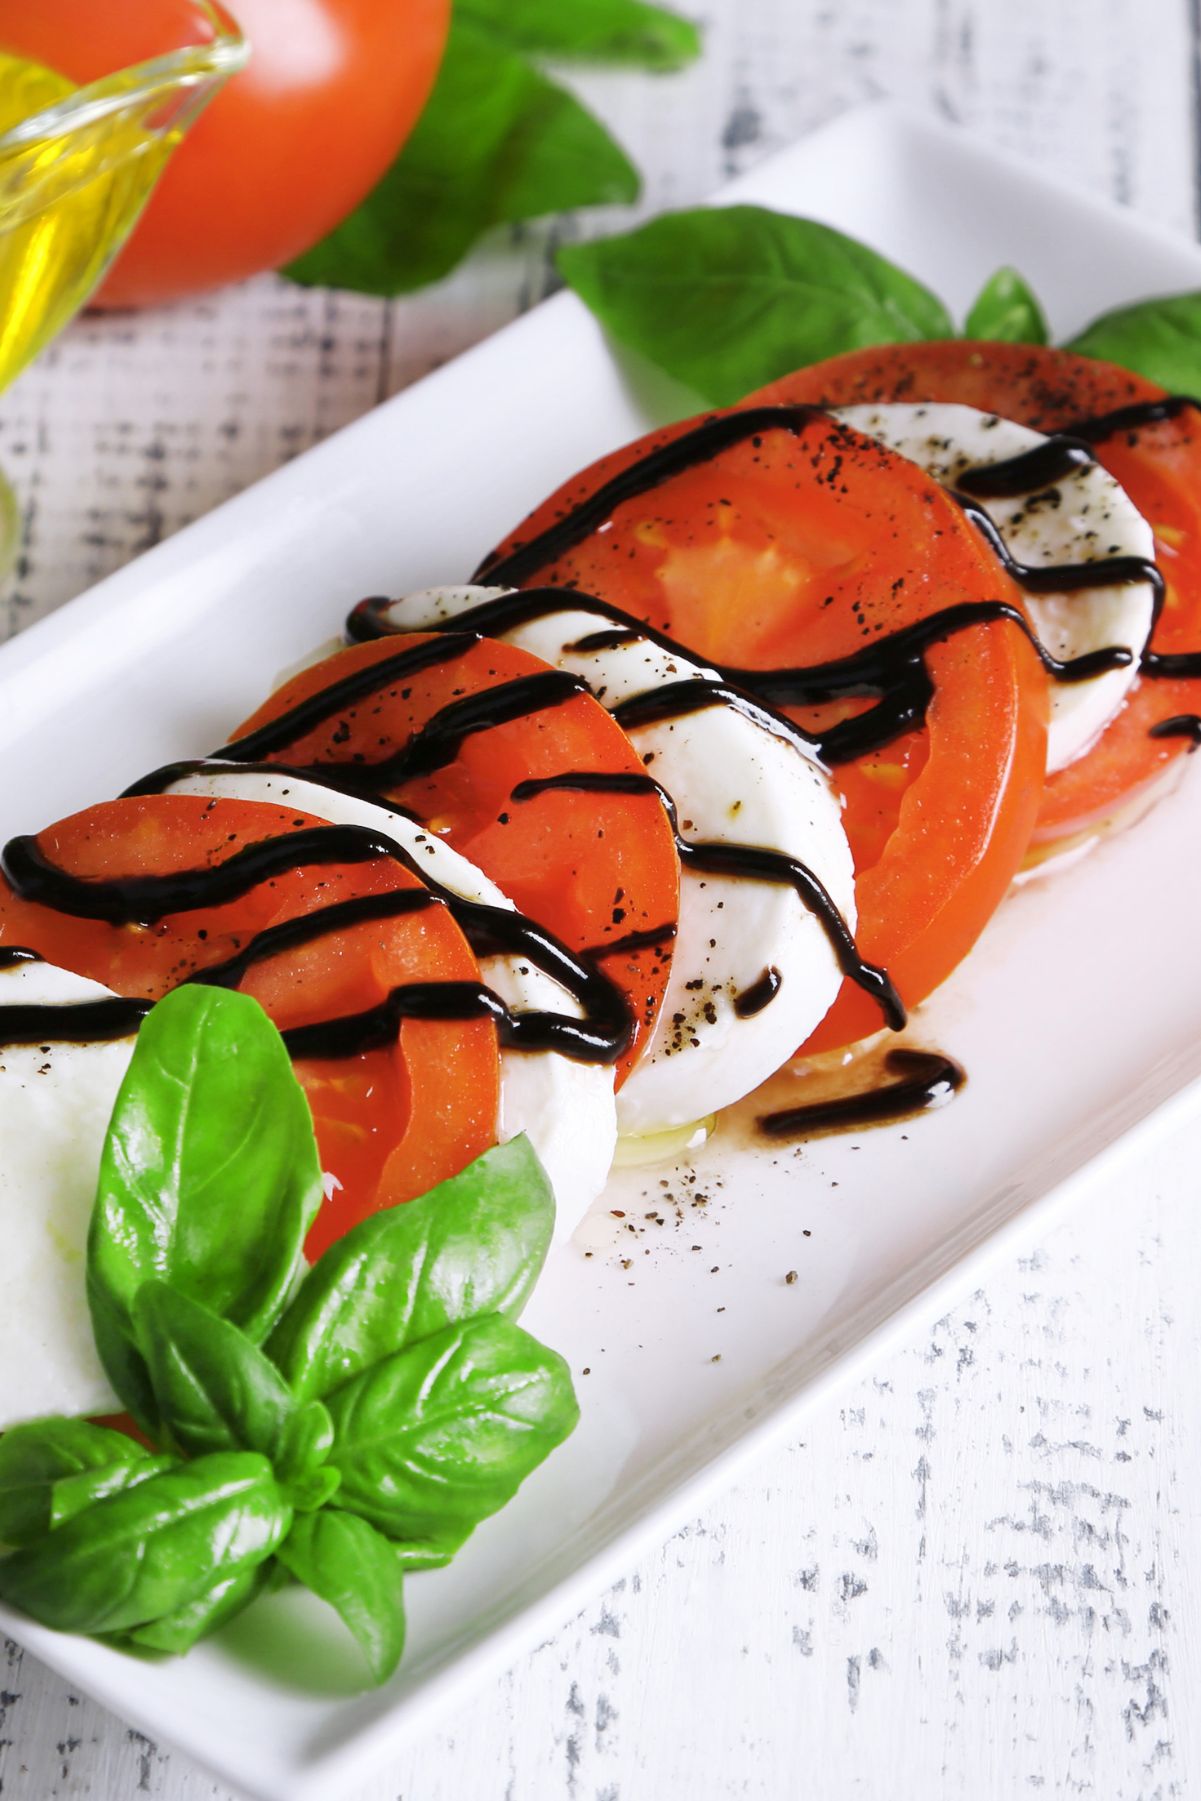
(803, 542)
(596, 869)
(390, 1121)
(1159, 466)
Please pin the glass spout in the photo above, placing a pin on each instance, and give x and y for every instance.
(78, 164)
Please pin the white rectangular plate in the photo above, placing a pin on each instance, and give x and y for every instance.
(1075, 1016)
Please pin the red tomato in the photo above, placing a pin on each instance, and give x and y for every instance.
(1160, 468)
(390, 1122)
(590, 867)
(284, 152)
(797, 548)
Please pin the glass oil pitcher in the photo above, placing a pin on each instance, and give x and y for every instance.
(78, 163)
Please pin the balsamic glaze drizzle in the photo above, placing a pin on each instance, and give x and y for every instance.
(925, 1079)
(760, 994)
(649, 938)
(1067, 578)
(1180, 725)
(1099, 426)
(601, 1035)
(434, 744)
(144, 900)
(1040, 467)
(1171, 665)
(276, 734)
(748, 861)
(72, 1022)
(700, 445)
(674, 700)
(890, 667)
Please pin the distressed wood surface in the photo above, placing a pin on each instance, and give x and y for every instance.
(980, 1575)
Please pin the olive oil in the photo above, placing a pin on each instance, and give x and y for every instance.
(68, 200)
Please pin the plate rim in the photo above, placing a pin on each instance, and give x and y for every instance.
(347, 1760)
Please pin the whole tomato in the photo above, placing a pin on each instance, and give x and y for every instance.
(286, 150)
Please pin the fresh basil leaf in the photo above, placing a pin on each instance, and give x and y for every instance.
(71, 1494)
(36, 1456)
(434, 1439)
(177, 1632)
(497, 142)
(1005, 311)
(618, 31)
(153, 1549)
(474, 1244)
(728, 298)
(1160, 339)
(352, 1567)
(213, 1389)
(209, 1177)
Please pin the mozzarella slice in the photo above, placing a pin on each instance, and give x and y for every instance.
(565, 1108)
(55, 1104)
(1080, 519)
(734, 782)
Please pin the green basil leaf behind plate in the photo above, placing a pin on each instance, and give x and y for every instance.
(209, 1177)
(1160, 339)
(728, 298)
(71, 1494)
(177, 1632)
(497, 142)
(473, 1245)
(1005, 311)
(434, 1439)
(353, 1568)
(617, 31)
(153, 1549)
(36, 1456)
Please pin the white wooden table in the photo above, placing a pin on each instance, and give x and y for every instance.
(981, 1574)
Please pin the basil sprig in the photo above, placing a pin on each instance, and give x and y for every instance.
(727, 299)
(393, 1407)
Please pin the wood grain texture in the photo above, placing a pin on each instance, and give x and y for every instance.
(979, 1576)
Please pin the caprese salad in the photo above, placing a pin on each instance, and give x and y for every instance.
(728, 752)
